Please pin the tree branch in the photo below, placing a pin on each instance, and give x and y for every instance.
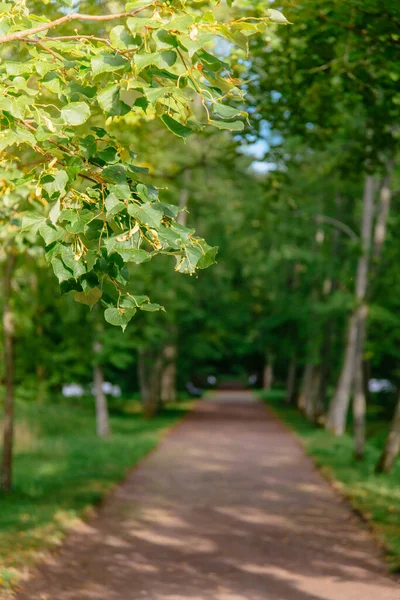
(338, 224)
(66, 19)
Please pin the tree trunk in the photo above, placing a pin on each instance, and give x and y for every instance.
(385, 198)
(168, 376)
(339, 407)
(313, 408)
(102, 420)
(360, 400)
(305, 389)
(8, 334)
(149, 371)
(392, 446)
(359, 410)
(268, 373)
(291, 381)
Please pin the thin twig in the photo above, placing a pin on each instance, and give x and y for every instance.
(66, 19)
(93, 38)
(41, 44)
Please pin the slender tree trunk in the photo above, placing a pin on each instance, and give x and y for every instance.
(149, 371)
(268, 373)
(305, 388)
(392, 446)
(168, 376)
(339, 407)
(359, 410)
(361, 372)
(313, 408)
(360, 400)
(385, 198)
(8, 335)
(102, 420)
(291, 381)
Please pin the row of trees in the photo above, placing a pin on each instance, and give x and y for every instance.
(330, 88)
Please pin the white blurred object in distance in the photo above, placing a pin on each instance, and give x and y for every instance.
(75, 390)
(109, 389)
(253, 379)
(112, 390)
(381, 385)
(72, 390)
(211, 379)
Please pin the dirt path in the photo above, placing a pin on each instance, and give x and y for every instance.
(227, 508)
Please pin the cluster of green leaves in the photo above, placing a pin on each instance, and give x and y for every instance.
(82, 189)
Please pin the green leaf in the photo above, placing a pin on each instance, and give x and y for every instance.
(119, 317)
(55, 183)
(133, 255)
(60, 270)
(109, 100)
(188, 262)
(175, 127)
(144, 60)
(89, 298)
(230, 125)
(275, 16)
(225, 111)
(11, 105)
(75, 113)
(147, 193)
(32, 222)
(113, 205)
(71, 261)
(146, 214)
(162, 60)
(107, 63)
(50, 233)
(115, 174)
(208, 258)
(121, 38)
(130, 301)
(55, 212)
(151, 307)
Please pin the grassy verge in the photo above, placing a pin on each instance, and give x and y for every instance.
(62, 469)
(376, 497)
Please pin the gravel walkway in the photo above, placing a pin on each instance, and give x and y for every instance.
(227, 508)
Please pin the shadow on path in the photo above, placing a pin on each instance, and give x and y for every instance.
(227, 508)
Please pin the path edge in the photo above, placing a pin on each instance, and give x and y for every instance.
(335, 485)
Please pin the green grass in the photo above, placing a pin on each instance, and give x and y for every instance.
(62, 469)
(375, 497)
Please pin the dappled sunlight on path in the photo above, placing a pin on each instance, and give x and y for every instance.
(227, 508)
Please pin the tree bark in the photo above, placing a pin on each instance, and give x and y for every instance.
(8, 334)
(313, 408)
(168, 376)
(339, 407)
(305, 389)
(360, 400)
(392, 446)
(149, 371)
(268, 373)
(385, 198)
(360, 381)
(102, 419)
(291, 381)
